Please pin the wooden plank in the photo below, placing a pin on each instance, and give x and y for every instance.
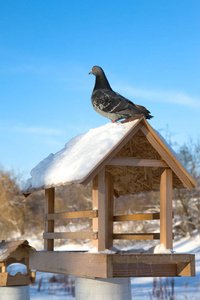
(72, 215)
(166, 209)
(186, 269)
(136, 236)
(137, 217)
(70, 235)
(148, 258)
(77, 264)
(18, 279)
(95, 206)
(135, 162)
(174, 165)
(144, 270)
(49, 209)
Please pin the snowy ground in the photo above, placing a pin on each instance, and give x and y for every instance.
(60, 287)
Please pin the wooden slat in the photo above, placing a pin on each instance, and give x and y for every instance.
(174, 165)
(70, 235)
(136, 236)
(49, 209)
(144, 270)
(135, 162)
(149, 258)
(166, 209)
(72, 215)
(137, 217)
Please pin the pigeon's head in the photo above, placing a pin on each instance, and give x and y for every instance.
(96, 70)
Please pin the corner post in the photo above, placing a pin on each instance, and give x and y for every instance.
(103, 201)
(49, 224)
(166, 209)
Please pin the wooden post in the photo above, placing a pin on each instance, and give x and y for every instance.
(49, 224)
(166, 209)
(95, 206)
(103, 201)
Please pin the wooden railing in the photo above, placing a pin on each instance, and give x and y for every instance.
(51, 217)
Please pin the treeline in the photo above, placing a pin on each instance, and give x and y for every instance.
(22, 217)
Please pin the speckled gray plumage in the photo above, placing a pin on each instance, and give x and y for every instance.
(111, 104)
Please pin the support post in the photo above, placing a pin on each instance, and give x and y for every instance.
(166, 209)
(103, 201)
(49, 224)
(99, 288)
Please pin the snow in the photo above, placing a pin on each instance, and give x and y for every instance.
(79, 156)
(160, 248)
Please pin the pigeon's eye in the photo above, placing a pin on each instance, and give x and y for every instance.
(94, 69)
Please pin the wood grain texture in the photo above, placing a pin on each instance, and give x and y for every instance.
(136, 162)
(49, 209)
(72, 215)
(166, 236)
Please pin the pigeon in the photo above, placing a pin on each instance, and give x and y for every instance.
(110, 104)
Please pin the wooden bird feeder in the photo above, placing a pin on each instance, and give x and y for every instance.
(141, 161)
(15, 252)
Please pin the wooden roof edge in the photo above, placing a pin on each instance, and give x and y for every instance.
(170, 152)
(113, 151)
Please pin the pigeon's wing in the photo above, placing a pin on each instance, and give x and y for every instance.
(112, 102)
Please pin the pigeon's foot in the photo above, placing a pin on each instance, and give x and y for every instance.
(133, 118)
(113, 121)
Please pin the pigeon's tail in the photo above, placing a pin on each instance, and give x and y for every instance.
(144, 111)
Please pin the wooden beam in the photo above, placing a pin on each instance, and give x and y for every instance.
(167, 158)
(105, 210)
(72, 215)
(166, 209)
(70, 235)
(78, 264)
(49, 224)
(135, 162)
(111, 265)
(136, 236)
(95, 207)
(186, 269)
(137, 217)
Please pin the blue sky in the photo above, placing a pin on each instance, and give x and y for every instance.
(149, 50)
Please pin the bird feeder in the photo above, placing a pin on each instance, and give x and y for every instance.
(15, 252)
(140, 161)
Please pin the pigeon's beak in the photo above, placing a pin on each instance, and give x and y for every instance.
(90, 72)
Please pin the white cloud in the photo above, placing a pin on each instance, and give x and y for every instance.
(177, 97)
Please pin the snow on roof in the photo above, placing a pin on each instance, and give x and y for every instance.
(79, 156)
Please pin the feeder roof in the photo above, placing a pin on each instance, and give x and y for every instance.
(7, 248)
(84, 156)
